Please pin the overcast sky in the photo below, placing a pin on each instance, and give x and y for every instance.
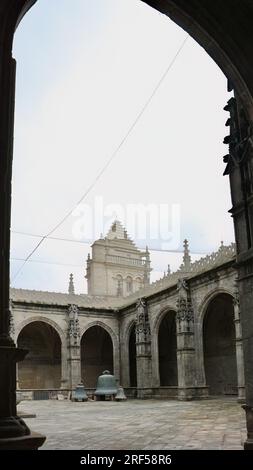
(85, 69)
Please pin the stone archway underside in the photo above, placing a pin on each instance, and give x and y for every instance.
(41, 368)
(167, 347)
(225, 30)
(96, 355)
(219, 347)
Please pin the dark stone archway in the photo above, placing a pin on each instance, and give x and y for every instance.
(41, 368)
(132, 357)
(167, 347)
(225, 30)
(96, 355)
(219, 346)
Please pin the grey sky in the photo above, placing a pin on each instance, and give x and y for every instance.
(83, 75)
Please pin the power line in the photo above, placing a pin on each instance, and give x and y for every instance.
(72, 240)
(104, 168)
(48, 262)
(88, 242)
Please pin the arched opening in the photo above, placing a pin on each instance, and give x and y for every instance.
(167, 347)
(153, 135)
(96, 355)
(119, 285)
(219, 346)
(132, 357)
(138, 283)
(129, 284)
(41, 368)
(223, 30)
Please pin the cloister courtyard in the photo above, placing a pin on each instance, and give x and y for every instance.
(217, 424)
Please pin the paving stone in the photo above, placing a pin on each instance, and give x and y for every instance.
(139, 425)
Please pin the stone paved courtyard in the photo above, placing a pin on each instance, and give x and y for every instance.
(149, 424)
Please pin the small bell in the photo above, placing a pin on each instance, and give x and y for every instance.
(79, 394)
(106, 386)
(120, 394)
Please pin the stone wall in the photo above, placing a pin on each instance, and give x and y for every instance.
(154, 344)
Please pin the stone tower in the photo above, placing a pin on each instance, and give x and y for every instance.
(117, 267)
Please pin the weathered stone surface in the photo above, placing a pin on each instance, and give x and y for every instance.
(141, 424)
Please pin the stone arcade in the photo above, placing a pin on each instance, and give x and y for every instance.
(224, 29)
(178, 337)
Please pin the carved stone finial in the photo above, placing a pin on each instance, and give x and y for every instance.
(186, 265)
(222, 247)
(71, 284)
(186, 258)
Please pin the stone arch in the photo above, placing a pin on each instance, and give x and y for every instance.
(20, 326)
(125, 362)
(208, 298)
(206, 24)
(199, 328)
(224, 30)
(138, 283)
(105, 354)
(103, 325)
(167, 348)
(154, 342)
(128, 328)
(219, 344)
(203, 23)
(159, 317)
(41, 368)
(129, 284)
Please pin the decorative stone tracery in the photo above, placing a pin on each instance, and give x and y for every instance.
(142, 323)
(143, 349)
(73, 326)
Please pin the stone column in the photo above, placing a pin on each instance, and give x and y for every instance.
(65, 383)
(12, 335)
(246, 303)
(239, 168)
(239, 348)
(185, 343)
(74, 356)
(143, 351)
(14, 433)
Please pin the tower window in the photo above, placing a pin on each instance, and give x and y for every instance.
(119, 285)
(129, 284)
(138, 283)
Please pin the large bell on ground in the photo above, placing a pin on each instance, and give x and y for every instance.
(106, 385)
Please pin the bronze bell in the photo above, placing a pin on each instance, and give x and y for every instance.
(106, 386)
(79, 394)
(120, 394)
